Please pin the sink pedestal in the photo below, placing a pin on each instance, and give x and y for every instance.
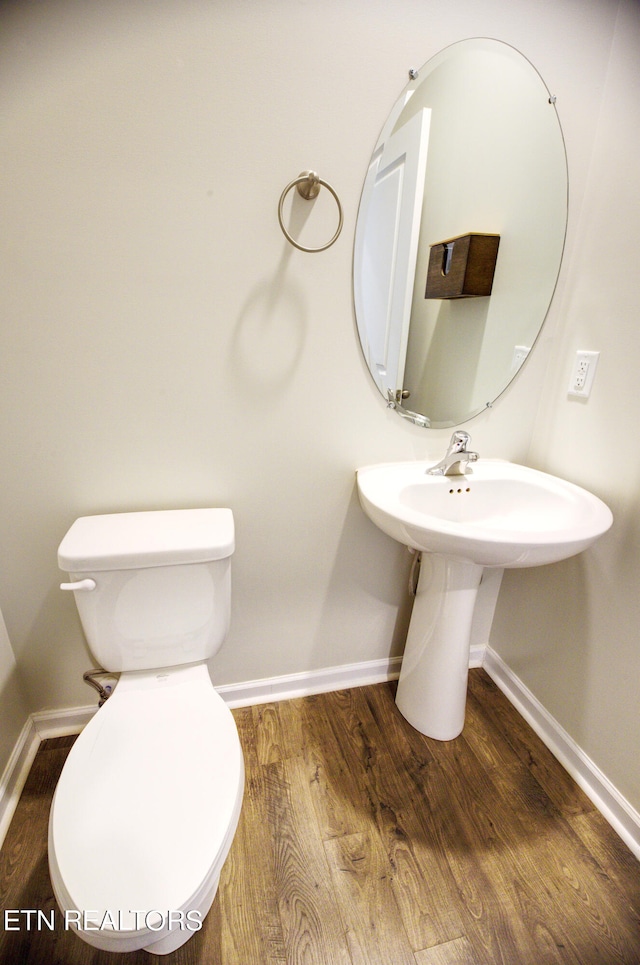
(432, 688)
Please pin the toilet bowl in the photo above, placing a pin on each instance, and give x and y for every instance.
(148, 801)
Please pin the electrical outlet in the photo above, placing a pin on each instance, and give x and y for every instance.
(520, 353)
(583, 374)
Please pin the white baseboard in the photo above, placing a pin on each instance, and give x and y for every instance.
(623, 818)
(62, 723)
(310, 682)
(16, 773)
(476, 656)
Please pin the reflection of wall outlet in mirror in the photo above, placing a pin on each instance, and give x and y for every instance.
(583, 373)
(520, 353)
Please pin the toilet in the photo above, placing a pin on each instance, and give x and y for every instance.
(149, 798)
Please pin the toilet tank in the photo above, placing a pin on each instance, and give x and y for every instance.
(155, 586)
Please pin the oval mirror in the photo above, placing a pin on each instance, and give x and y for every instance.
(460, 232)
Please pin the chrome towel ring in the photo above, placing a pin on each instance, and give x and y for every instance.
(308, 184)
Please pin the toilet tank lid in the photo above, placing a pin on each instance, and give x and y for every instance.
(119, 541)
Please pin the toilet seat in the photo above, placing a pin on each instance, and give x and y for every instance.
(145, 811)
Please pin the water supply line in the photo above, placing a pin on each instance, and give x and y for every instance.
(414, 573)
(106, 691)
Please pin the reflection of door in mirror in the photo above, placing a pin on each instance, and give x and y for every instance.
(386, 248)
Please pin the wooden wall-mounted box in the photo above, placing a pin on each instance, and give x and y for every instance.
(462, 267)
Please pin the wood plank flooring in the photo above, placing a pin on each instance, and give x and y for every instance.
(361, 842)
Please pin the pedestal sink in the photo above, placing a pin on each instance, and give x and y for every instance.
(500, 515)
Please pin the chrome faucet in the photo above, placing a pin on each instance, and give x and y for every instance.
(457, 457)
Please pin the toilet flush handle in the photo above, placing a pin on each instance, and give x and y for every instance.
(79, 585)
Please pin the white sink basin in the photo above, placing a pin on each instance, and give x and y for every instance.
(502, 514)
